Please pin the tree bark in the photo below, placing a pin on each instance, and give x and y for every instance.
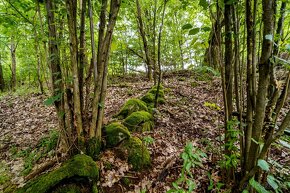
(54, 64)
(13, 63)
(2, 82)
(72, 25)
(144, 40)
(228, 82)
(264, 77)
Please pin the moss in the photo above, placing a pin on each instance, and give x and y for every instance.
(116, 133)
(93, 147)
(79, 165)
(139, 121)
(70, 188)
(154, 91)
(149, 99)
(132, 105)
(138, 154)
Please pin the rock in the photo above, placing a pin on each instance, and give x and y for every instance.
(139, 121)
(138, 154)
(116, 133)
(132, 105)
(78, 166)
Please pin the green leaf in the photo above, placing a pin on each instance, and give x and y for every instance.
(272, 182)
(263, 165)
(204, 4)
(51, 100)
(257, 186)
(187, 26)
(245, 191)
(284, 143)
(193, 31)
(206, 29)
(288, 47)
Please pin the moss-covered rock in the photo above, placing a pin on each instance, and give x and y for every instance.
(139, 121)
(138, 154)
(132, 105)
(116, 133)
(79, 165)
(154, 91)
(149, 99)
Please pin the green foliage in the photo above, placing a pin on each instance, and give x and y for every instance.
(132, 105)
(116, 133)
(232, 136)
(213, 106)
(192, 157)
(4, 174)
(139, 121)
(263, 165)
(49, 143)
(214, 186)
(51, 100)
(79, 165)
(148, 140)
(138, 155)
(257, 186)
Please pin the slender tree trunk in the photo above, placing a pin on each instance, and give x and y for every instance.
(228, 83)
(54, 64)
(144, 39)
(250, 93)
(72, 25)
(264, 77)
(44, 55)
(104, 44)
(2, 83)
(159, 54)
(82, 55)
(13, 63)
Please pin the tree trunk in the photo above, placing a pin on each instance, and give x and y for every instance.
(104, 44)
(13, 63)
(228, 83)
(144, 39)
(2, 83)
(54, 64)
(250, 93)
(264, 77)
(72, 25)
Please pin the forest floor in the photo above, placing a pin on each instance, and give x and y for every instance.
(192, 113)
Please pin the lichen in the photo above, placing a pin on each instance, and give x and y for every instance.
(132, 105)
(139, 121)
(138, 154)
(116, 133)
(79, 165)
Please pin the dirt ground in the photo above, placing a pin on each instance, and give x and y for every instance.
(192, 113)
